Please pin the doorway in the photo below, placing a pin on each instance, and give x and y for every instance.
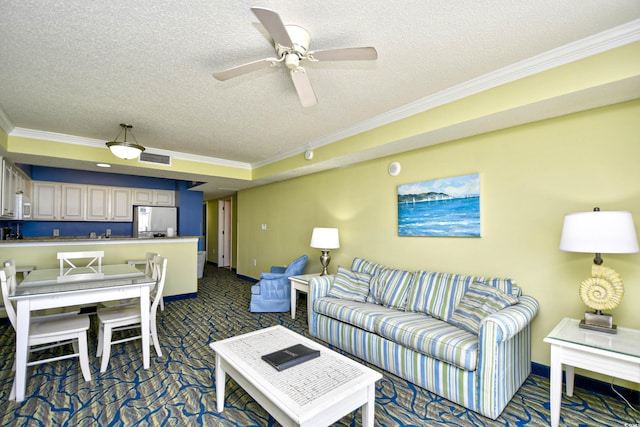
(224, 233)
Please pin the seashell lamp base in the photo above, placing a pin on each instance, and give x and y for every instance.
(599, 322)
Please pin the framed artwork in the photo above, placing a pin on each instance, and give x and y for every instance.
(445, 207)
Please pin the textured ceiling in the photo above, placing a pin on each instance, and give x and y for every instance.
(80, 68)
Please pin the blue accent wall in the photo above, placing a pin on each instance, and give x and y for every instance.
(44, 173)
(189, 219)
(189, 203)
(73, 228)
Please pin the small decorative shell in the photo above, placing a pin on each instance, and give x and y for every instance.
(603, 291)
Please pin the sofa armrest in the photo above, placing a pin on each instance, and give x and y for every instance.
(511, 320)
(278, 269)
(504, 355)
(318, 287)
(272, 287)
(270, 276)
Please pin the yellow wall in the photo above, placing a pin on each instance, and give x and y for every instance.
(212, 230)
(531, 175)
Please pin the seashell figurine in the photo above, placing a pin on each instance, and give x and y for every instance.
(604, 290)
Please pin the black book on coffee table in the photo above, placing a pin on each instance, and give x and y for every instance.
(290, 356)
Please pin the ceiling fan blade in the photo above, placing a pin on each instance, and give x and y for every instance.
(303, 87)
(274, 25)
(244, 69)
(345, 54)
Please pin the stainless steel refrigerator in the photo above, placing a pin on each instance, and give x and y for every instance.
(155, 221)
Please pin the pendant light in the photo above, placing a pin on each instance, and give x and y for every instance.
(123, 149)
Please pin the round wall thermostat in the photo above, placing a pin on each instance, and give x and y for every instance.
(308, 154)
(394, 168)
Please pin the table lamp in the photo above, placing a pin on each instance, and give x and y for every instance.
(600, 232)
(325, 239)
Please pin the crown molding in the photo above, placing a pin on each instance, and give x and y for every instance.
(584, 48)
(90, 142)
(5, 123)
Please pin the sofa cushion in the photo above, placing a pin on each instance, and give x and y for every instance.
(391, 286)
(360, 314)
(437, 294)
(477, 303)
(505, 284)
(350, 285)
(431, 337)
(362, 265)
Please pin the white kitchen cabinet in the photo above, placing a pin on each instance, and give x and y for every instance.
(72, 202)
(121, 206)
(164, 197)
(142, 196)
(23, 184)
(8, 190)
(149, 197)
(98, 203)
(55, 201)
(46, 200)
(13, 180)
(109, 204)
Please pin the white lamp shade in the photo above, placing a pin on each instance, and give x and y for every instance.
(325, 238)
(608, 232)
(126, 152)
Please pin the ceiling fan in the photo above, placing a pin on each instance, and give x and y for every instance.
(292, 46)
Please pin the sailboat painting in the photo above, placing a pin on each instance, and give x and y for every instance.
(445, 207)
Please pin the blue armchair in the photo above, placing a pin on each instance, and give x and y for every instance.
(273, 292)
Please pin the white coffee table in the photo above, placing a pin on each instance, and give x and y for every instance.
(299, 283)
(315, 393)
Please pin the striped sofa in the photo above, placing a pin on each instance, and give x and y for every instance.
(433, 329)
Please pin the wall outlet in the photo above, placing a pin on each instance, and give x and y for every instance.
(264, 227)
(56, 232)
(254, 263)
(108, 232)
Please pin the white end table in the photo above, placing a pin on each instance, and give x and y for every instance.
(299, 283)
(616, 355)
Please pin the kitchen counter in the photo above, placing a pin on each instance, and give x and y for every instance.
(181, 253)
(77, 240)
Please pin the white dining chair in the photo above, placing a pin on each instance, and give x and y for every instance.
(49, 333)
(147, 261)
(91, 268)
(118, 318)
(94, 257)
(40, 315)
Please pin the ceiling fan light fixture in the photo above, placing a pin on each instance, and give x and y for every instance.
(292, 61)
(292, 43)
(124, 149)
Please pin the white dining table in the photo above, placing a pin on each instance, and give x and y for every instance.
(41, 290)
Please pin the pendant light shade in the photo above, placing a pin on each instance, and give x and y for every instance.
(124, 149)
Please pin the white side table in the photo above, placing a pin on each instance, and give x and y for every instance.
(616, 355)
(299, 283)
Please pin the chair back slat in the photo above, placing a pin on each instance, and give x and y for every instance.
(148, 266)
(159, 273)
(94, 257)
(7, 282)
(11, 262)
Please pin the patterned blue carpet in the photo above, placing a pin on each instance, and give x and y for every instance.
(179, 388)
